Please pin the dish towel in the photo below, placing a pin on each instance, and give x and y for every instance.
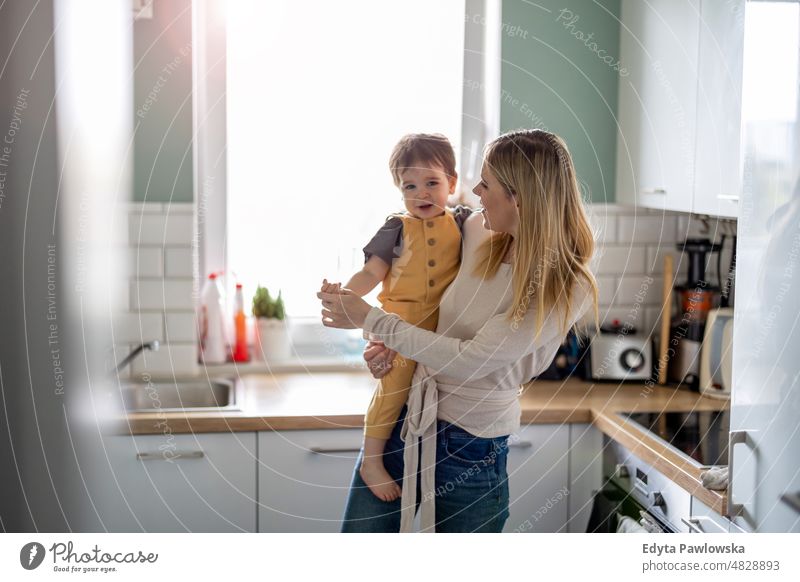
(715, 478)
(627, 524)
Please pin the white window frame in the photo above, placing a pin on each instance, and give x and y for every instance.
(481, 118)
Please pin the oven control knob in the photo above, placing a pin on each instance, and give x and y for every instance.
(656, 498)
(621, 472)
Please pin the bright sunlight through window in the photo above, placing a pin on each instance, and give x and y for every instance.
(314, 109)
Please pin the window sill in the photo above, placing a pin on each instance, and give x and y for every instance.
(294, 365)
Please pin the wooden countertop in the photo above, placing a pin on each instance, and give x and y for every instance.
(334, 400)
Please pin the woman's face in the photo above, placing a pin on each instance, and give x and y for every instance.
(500, 213)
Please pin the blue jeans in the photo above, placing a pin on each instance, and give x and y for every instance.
(471, 485)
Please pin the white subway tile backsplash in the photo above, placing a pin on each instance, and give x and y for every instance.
(655, 261)
(689, 227)
(605, 288)
(646, 229)
(605, 227)
(159, 290)
(609, 208)
(135, 328)
(631, 244)
(170, 208)
(633, 315)
(652, 317)
(160, 295)
(181, 327)
(180, 227)
(145, 208)
(124, 289)
(146, 261)
(178, 261)
(619, 260)
(178, 359)
(160, 229)
(645, 289)
(146, 229)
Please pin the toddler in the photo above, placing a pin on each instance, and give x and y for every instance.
(415, 255)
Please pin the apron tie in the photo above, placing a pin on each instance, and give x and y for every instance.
(420, 422)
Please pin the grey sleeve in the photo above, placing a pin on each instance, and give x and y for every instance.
(386, 242)
(461, 213)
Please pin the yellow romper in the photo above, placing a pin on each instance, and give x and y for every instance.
(412, 289)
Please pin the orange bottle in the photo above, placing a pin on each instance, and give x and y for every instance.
(240, 350)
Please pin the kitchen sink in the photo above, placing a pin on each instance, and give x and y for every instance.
(194, 395)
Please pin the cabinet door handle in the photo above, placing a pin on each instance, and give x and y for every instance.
(792, 500)
(653, 191)
(333, 450)
(737, 437)
(731, 197)
(520, 445)
(171, 456)
(693, 523)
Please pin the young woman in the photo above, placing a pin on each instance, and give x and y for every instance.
(524, 282)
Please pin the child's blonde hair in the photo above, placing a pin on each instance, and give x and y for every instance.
(554, 239)
(422, 149)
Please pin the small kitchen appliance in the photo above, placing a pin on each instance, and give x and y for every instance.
(619, 353)
(716, 357)
(696, 298)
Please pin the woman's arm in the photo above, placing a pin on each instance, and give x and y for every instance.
(498, 343)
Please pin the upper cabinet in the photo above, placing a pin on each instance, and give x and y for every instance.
(657, 103)
(718, 183)
(679, 105)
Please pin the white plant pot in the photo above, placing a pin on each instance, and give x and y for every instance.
(272, 340)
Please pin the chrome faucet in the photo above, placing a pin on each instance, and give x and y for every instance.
(151, 345)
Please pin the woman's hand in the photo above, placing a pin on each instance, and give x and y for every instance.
(379, 359)
(342, 308)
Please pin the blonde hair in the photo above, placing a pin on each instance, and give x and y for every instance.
(554, 239)
(422, 149)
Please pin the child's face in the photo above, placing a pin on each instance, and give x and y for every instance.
(425, 190)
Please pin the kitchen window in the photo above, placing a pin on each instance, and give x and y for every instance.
(295, 120)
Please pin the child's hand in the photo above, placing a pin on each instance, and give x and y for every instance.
(330, 287)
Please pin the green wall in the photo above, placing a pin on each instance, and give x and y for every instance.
(554, 78)
(162, 104)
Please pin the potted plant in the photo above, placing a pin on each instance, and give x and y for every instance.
(272, 332)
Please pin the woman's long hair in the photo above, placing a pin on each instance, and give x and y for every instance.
(554, 239)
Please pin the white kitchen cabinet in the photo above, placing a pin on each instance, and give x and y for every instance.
(586, 473)
(183, 482)
(718, 179)
(703, 519)
(538, 471)
(304, 477)
(658, 103)
(739, 525)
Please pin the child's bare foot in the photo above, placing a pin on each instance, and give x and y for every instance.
(379, 481)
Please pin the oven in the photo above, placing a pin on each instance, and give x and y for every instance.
(635, 489)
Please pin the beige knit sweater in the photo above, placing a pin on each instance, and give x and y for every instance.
(471, 369)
